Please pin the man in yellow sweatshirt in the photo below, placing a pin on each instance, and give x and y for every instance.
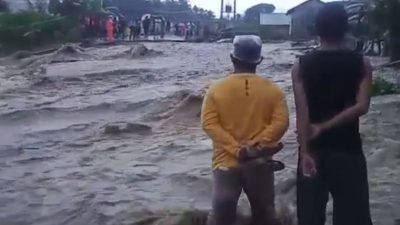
(245, 115)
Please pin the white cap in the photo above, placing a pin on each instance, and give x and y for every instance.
(247, 48)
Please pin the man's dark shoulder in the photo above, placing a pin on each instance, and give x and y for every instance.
(316, 57)
(316, 53)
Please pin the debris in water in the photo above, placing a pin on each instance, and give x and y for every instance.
(69, 53)
(225, 40)
(21, 54)
(39, 71)
(140, 50)
(123, 127)
(36, 65)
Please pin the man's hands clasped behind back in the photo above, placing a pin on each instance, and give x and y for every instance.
(260, 154)
(248, 152)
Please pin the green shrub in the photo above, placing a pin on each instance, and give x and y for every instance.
(382, 87)
(26, 30)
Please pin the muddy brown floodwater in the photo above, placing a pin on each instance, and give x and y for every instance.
(105, 136)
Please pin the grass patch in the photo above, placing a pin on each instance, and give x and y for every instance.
(381, 86)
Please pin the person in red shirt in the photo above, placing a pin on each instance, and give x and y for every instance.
(110, 29)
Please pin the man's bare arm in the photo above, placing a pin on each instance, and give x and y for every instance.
(302, 114)
(362, 102)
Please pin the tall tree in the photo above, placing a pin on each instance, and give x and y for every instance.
(54, 6)
(196, 9)
(252, 14)
(175, 10)
(41, 6)
(72, 7)
(4, 6)
(93, 5)
(384, 15)
(210, 14)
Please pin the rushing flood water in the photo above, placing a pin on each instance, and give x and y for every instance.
(104, 138)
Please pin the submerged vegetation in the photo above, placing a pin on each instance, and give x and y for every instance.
(29, 29)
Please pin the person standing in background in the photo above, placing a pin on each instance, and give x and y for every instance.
(132, 30)
(162, 28)
(177, 33)
(138, 28)
(115, 27)
(168, 26)
(245, 115)
(122, 25)
(110, 29)
(146, 26)
(332, 91)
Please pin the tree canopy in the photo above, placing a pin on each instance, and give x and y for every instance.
(67, 7)
(252, 14)
(384, 14)
(377, 19)
(178, 10)
(3, 6)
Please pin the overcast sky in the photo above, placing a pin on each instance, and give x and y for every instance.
(242, 5)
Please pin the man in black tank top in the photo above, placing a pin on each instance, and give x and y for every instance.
(331, 87)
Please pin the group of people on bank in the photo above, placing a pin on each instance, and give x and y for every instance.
(114, 27)
(246, 115)
(111, 27)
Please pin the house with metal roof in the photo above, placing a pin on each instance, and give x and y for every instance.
(303, 19)
(275, 26)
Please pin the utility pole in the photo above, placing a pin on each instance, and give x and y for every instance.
(222, 10)
(234, 10)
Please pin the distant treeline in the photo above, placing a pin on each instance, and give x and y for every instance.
(176, 10)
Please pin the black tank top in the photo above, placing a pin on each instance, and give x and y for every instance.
(331, 80)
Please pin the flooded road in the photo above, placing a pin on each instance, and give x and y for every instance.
(101, 137)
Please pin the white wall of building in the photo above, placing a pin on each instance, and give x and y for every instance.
(275, 19)
(17, 5)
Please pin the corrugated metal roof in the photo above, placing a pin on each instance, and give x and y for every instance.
(274, 19)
